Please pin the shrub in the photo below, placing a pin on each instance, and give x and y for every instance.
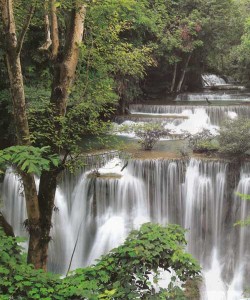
(18, 280)
(203, 141)
(148, 133)
(124, 273)
(234, 137)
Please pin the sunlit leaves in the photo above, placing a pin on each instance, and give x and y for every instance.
(29, 159)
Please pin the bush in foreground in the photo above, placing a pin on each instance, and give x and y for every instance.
(124, 273)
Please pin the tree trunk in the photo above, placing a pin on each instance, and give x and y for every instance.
(12, 50)
(64, 70)
(40, 207)
(46, 196)
(64, 74)
(183, 73)
(174, 78)
(54, 31)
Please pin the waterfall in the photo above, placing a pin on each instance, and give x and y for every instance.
(14, 208)
(100, 212)
(217, 114)
(214, 96)
(212, 80)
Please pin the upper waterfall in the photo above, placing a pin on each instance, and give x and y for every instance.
(209, 80)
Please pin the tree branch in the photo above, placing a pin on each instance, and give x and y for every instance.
(6, 226)
(24, 29)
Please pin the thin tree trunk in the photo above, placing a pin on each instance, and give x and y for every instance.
(183, 73)
(174, 78)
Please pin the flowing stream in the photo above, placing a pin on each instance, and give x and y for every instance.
(199, 194)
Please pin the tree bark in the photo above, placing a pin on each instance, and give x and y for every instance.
(183, 73)
(54, 30)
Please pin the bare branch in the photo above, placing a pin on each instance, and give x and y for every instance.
(24, 29)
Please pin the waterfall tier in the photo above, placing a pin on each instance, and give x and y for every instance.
(196, 194)
(212, 80)
(216, 114)
(214, 96)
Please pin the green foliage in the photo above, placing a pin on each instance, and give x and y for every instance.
(223, 27)
(239, 54)
(6, 119)
(113, 60)
(126, 269)
(148, 134)
(202, 141)
(245, 222)
(29, 159)
(243, 196)
(234, 137)
(121, 274)
(18, 280)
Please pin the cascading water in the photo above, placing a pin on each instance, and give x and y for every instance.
(212, 80)
(103, 209)
(214, 96)
(216, 114)
(14, 208)
(100, 205)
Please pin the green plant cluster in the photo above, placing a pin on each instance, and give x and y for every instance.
(203, 141)
(234, 137)
(28, 159)
(124, 273)
(148, 133)
(18, 280)
(245, 222)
